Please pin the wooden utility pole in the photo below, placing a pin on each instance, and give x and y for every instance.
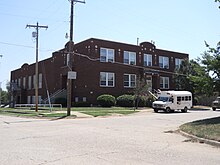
(36, 65)
(70, 53)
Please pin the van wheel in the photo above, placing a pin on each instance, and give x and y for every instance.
(168, 110)
(213, 108)
(156, 110)
(184, 110)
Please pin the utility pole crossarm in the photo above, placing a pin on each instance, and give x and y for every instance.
(35, 26)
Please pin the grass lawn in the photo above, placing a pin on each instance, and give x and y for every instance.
(100, 111)
(31, 113)
(207, 128)
(93, 111)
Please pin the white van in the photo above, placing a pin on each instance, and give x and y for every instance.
(173, 100)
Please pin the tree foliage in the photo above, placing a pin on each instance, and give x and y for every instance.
(141, 89)
(193, 77)
(218, 2)
(211, 60)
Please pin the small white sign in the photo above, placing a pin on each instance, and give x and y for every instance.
(72, 75)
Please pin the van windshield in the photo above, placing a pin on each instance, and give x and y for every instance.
(164, 99)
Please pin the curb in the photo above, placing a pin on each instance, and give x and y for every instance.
(200, 140)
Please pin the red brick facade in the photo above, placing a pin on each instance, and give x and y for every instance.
(95, 76)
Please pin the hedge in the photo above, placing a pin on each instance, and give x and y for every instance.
(106, 100)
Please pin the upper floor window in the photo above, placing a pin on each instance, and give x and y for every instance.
(40, 80)
(164, 82)
(24, 82)
(147, 60)
(129, 58)
(164, 62)
(29, 82)
(107, 55)
(178, 62)
(129, 80)
(107, 79)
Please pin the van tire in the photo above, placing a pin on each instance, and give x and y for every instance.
(168, 110)
(155, 110)
(213, 108)
(184, 110)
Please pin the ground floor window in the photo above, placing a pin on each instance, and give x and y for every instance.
(129, 80)
(164, 82)
(107, 79)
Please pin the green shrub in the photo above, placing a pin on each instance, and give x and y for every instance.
(106, 100)
(61, 100)
(81, 104)
(142, 101)
(125, 101)
(150, 100)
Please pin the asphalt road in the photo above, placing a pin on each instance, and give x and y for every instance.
(144, 138)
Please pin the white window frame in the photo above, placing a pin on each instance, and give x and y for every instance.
(29, 82)
(164, 82)
(19, 82)
(147, 60)
(76, 99)
(164, 61)
(84, 99)
(178, 62)
(24, 82)
(107, 76)
(131, 58)
(109, 55)
(29, 99)
(130, 82)
(40, 80)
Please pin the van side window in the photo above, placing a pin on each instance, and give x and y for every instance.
(186, 98)
(178, 98)
(190, 98)
(183, 98)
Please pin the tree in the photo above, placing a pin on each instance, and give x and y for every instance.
(181, 76)
(193, 77)
(218, 2)
(202, 82)
(141, 89)
(211, 60)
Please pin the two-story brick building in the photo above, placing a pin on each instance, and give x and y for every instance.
(103, 67)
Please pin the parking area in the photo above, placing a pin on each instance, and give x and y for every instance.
(142, 138)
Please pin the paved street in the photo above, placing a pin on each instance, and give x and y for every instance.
(143, 138)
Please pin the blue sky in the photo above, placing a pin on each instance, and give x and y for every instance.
(181, 26)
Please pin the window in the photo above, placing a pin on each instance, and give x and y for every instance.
(40, 80)
(107, 79)
(164, 62)
(129, 80)
(178, 98)
(34, 81)
(164, 82)
(147, 60)
(19, 82)
(29, 82)
(67, 59)
(107, 55)
(84, 99)
(129, 58)
(178, 62)
(29, 99)
(76, 99)
(24, 82)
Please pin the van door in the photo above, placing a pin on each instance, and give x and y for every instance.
(179, 104)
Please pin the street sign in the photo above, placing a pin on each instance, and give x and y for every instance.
(72, 75)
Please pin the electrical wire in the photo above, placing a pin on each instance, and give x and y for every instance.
(134, 66)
